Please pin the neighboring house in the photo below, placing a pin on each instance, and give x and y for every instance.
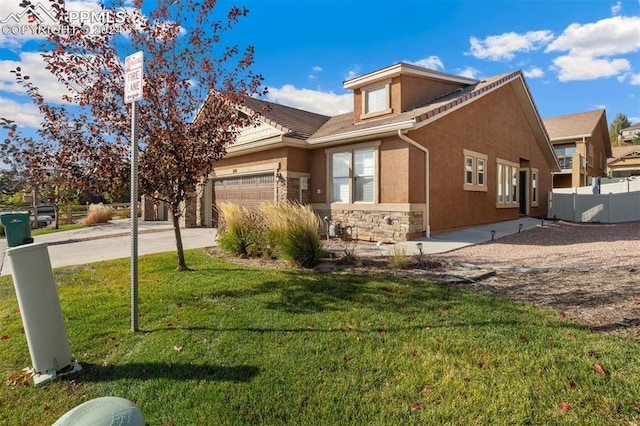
(581, 143)
(628, 134)
(422, 152)
(625, 162)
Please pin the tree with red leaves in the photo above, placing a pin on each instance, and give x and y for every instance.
(192, 87)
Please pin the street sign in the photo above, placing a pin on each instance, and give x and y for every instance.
(133, 77)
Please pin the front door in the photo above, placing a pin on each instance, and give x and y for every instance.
(522, 196)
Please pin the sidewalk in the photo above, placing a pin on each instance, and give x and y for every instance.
(113, 241)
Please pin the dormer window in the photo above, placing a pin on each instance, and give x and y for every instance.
(376, 99)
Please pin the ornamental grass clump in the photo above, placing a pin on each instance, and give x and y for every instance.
(241, 231)
(292, 231)
(98, 213)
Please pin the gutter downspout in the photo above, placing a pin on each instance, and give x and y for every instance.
(411, 142)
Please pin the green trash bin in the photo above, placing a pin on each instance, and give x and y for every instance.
(17, 228)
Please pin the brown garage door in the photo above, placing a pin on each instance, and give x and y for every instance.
(247, 191)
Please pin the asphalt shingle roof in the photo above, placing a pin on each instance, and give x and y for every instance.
(295, 123)
(569, 125)
(345, 123)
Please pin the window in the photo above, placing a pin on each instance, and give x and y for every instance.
(534, 187)
(507, 191)
(474, 171)
(376, 99)
(353, 175)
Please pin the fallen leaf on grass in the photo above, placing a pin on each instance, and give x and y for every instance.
(563, 315)
(5, 337)
(426, 389)
(599, 369)
(177, 348)
(299, 373)
(565, 406)
(416, 406)
(573, 385)
(382, 332)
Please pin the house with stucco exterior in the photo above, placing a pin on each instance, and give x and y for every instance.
(581, 143)
(423, 152)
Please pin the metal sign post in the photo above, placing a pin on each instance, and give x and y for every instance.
(132, 94)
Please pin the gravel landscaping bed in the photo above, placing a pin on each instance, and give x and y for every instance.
(589, 272)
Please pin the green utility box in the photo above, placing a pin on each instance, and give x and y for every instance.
(17, 228)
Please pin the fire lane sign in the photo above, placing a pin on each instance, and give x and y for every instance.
(133, 77)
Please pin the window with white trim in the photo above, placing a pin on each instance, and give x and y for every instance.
(534, 187)
(507, 180)
(376, 99)
(353, 175)
(475, 169)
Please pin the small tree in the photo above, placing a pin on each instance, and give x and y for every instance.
(193, 85)
(619, 122)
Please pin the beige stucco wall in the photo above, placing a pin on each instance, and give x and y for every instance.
(494, 125)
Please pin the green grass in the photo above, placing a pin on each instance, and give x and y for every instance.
(50, 230)
(230, 344)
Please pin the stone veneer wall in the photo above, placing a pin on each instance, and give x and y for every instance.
(385, 226)
(288, 189)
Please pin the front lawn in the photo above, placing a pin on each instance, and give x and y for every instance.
(232, 344)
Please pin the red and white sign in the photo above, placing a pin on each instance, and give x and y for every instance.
(133, 77)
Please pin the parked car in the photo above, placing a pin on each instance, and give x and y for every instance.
(45, 216)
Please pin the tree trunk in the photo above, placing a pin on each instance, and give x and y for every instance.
(182, 265)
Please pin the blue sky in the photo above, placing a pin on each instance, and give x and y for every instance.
(576, 55)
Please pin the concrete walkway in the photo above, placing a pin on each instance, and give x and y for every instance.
(113, 241)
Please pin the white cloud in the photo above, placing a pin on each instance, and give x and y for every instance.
(431, 62)
(607, 37)
(592, 49)
(317, 69)
(616, 8)
(353, 73)
(504, 46)
(469, 72)
(25, 115)
(574, 67)
(327, 103)
(635, 79)
(534, 72)
(32, 65)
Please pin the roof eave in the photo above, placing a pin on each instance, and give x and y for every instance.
(363, 133)
(571, 137)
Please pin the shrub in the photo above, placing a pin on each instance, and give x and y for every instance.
(241, 232)
(98, 213)
(398, 257)
(292, 231)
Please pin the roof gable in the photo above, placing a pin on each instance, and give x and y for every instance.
(294, 123)
(580, 125)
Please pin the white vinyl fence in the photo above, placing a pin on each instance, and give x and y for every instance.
(617, 202)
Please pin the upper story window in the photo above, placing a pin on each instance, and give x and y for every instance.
(376, 99)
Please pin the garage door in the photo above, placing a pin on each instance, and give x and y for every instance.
(247, 191)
